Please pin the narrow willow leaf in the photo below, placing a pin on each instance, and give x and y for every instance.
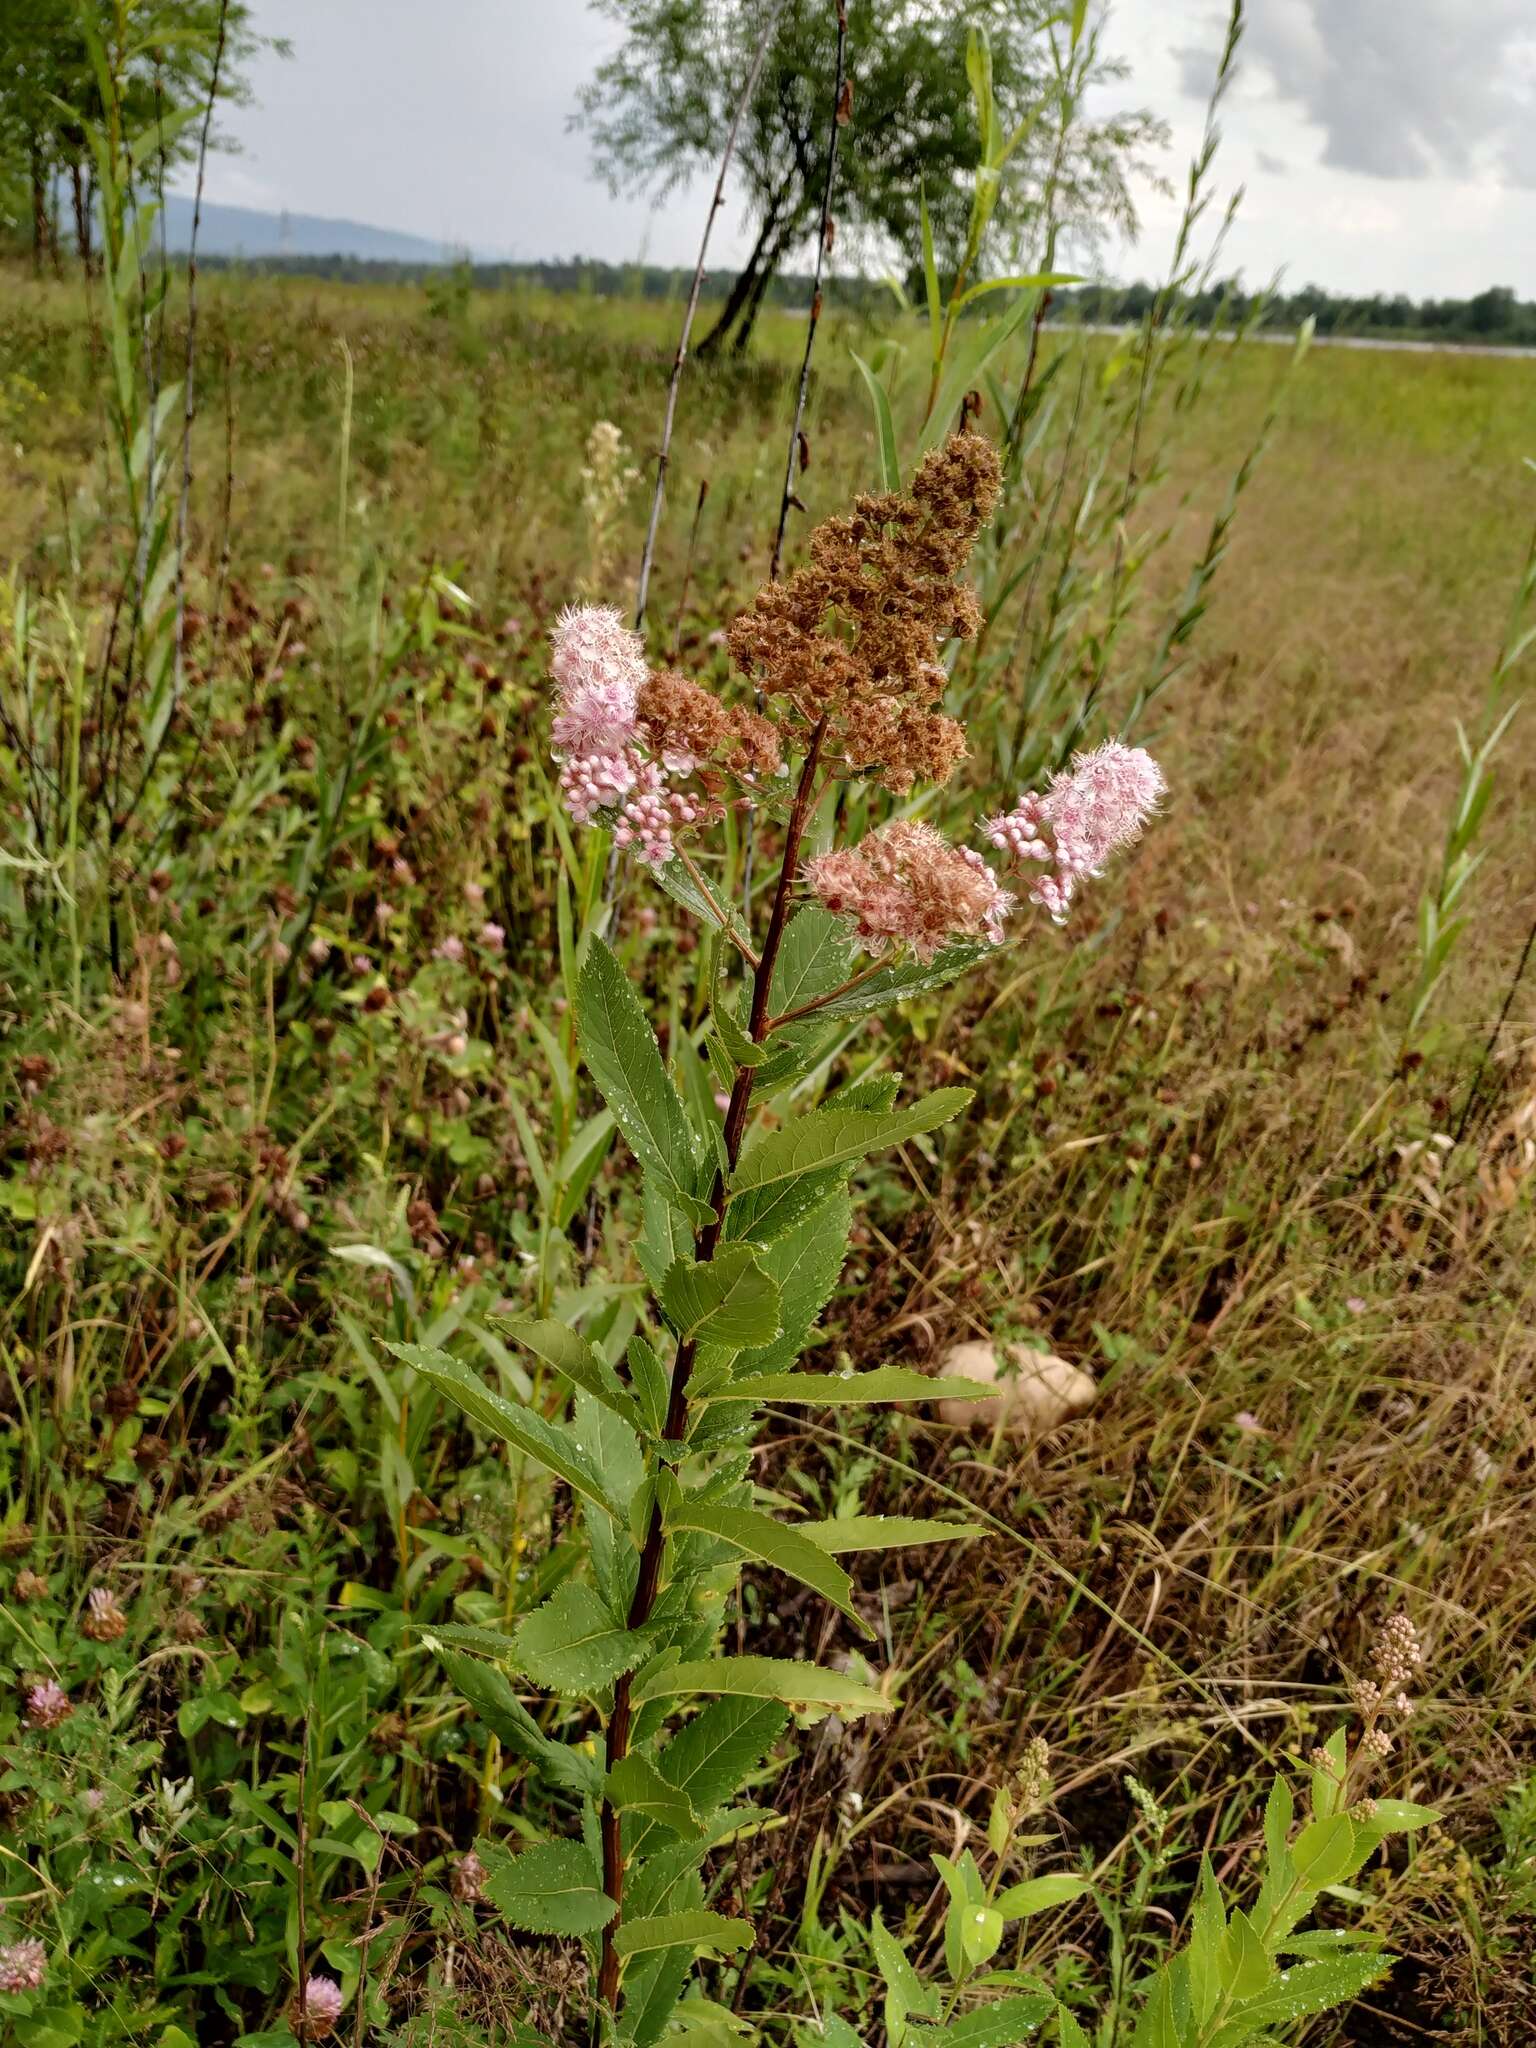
(553, 1889)
(636, 1786)
(458, 1635)
(1039, 1894)
(526, 1431)
(675, 879)
(775, 1543)
(828, 1137)
(885, 426)
(1003, 2024)
(574, 1359)
(852, 1389)
(846, 1533)
(729, 1301)
(652, 1387)
(765, 1678)
(573, 1644)
(625, 1061)
(698, 1930)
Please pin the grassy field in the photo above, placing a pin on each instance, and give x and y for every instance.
(301, 997)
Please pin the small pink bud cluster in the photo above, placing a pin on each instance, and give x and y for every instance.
(599, 670)
(1088, 813)
(23, 1965)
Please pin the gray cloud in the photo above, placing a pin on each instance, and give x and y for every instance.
(1271, 165)
(1407, 88)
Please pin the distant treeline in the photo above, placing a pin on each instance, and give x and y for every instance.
(1496, 315)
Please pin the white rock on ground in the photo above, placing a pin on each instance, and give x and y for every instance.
(1036, 1390)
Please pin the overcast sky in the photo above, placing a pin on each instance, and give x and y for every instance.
(1385, 144)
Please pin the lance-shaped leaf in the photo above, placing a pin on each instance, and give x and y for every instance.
(573, 1644)
(1309, 1987)
(625, 1061)
(574, 1359)
(764, 1678)
(1039, 1894)
(912, 978)
(698, 1930)
(832, 1136)
(489, 1692)
(851, 1389)
(729, 1301)
(524, 1430)
(775, 1543)
(847, 1533)
(553, 1889)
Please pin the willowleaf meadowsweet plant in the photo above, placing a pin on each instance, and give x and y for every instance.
(746, 1208)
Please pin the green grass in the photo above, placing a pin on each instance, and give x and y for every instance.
(1196, 1165)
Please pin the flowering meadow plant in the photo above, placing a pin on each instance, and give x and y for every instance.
(747, 1212)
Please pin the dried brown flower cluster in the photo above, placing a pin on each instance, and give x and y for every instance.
(854, 636)
(687, 726)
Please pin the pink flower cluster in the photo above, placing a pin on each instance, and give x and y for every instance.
(1088, 813)
(906, 885)
(23, 1965)
(599, 669)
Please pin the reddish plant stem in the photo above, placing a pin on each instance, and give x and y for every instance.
(648, 1580)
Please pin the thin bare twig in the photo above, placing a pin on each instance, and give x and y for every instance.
(663, 455)
(841, 109)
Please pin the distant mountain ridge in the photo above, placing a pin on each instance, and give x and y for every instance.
(248, 231)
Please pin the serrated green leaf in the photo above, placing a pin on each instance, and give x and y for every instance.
(553, 1889)
(634, 1785)
(489, 1692)
(1039, 1894)
(697, 1930)
(906, 1993)
(775, 1543)
(1304, 1988)
(1068, 2033)
(1246, 1969)
(1003, 2024)
(1401, 1816)
(527, 1432)
(712, 1755)
(845, 1533)
(652, 1386)
(831, 1136)
(915, 978)
(805, 1263)
(573, 1644)
(1324, 1851)
(569, 1353)
(624, 1060)
(851, 1389)
(729, 1301)
(765, 1678)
